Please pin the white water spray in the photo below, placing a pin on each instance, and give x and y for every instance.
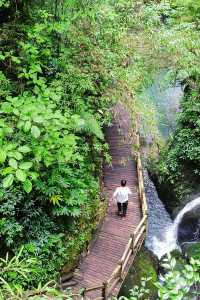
(169, 240)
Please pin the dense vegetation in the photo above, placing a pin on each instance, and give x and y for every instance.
(63, 64)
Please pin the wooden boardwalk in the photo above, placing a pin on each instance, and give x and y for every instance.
(114, 233)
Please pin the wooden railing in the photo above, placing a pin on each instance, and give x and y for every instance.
(142, 195)
(135, 241)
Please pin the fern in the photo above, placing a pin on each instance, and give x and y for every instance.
(87, 123)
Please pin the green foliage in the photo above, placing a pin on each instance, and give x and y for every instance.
(50, 254)
(4, 3)
(189, 10)
(144, 267)
(17, 270)
(63, 66)
(178, 284)
(175, 285)
(47, 291)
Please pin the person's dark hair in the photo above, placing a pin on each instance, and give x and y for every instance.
(123, 182)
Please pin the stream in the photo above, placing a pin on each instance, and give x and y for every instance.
(165, 101)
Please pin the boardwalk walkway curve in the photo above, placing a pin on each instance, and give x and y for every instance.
(102, 271)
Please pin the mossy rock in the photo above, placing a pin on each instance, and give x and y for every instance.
(192, 249)
(144, 266)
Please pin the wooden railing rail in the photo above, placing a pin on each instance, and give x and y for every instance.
(139, 171)
(136, 238)
(142, 222)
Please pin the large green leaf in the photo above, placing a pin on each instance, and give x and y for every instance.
(21, 175)
(26, 165)
(17, 155)
(27, 126)
(38, 119)
(27, 185)
(35, 131)
(13, 163)
(6, 171)
(33, 175)
(8, 180)
(2, 156)
(6, 107)
(24, 149)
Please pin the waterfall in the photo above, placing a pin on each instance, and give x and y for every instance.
(163, 238)
(160, 225)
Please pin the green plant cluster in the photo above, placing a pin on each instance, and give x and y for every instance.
(174, 285)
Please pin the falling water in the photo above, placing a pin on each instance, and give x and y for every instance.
(163, 240)
(159, 221)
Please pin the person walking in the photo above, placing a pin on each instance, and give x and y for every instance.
(121, 196)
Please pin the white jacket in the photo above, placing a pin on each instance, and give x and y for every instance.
(121, 194)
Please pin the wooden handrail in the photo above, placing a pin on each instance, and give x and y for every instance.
(139, 235)
(114, 274)
(96, 287)
(128, 247)
(112, 285)
(142, 222)
(126, 261)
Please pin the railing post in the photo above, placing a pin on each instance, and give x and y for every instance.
(83, 293)
(120, 271)
(104, 290)
(133, 238)
(146, 222)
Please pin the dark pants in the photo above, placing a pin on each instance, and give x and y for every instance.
(122, 208)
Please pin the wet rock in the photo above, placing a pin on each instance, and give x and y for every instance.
(189, 227)
(191, 249)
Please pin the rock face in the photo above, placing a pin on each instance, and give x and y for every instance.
(189, 227)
